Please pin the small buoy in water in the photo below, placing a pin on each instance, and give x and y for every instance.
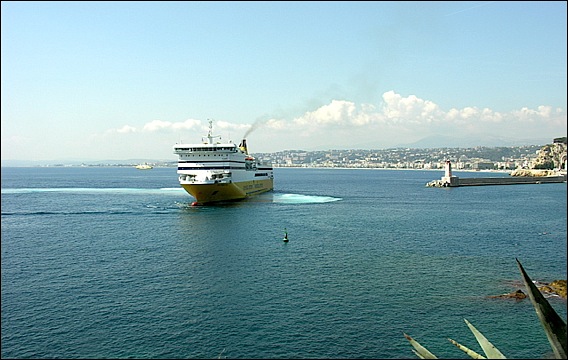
(195, 203)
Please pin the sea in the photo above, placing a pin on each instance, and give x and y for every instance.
(114, 262)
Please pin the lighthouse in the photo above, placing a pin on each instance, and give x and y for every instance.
(448, 179)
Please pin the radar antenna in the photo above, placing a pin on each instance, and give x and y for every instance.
(210, 135)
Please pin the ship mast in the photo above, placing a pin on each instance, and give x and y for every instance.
(210, 135)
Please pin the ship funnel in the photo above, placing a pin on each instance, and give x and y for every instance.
(243, 146)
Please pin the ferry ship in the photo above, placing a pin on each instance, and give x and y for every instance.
(212, 171)
(144, 167)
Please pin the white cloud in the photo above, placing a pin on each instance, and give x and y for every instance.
(227, 126)
(530, 115)
(340, 124)
(126, 129)
(188, 124)
(410, 114)
(413, 110)
(157, 125)
(276, 124)
(338, 112)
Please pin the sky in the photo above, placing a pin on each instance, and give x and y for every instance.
(129, 80)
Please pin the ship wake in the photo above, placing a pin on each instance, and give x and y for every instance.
(302, 199)
(172, 191)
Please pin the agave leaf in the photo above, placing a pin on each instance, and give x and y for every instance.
(417, 354)
(554, 326)
(470, 352)
(490, 350)
(421, 351)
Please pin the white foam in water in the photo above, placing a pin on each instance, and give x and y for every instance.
(93, 190)
(277, 198)
(302, 199)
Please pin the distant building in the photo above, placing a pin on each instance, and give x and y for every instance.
(481, 165)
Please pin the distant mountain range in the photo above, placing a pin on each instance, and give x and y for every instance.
(442, 141)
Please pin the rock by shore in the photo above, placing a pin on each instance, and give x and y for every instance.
(519, 295)
(556, 287)
(533, 172)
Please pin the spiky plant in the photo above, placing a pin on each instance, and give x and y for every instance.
(554, 327)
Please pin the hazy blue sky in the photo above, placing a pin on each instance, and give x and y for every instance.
(122, 80)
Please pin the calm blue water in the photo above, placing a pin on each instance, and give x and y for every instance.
(114, 263)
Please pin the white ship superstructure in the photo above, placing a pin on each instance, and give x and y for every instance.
(213, 171)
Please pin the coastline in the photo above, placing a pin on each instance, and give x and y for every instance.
(394, 169)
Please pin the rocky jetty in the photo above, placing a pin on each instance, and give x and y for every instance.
(437, 183)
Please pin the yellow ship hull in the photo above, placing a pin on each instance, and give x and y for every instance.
(210, 193)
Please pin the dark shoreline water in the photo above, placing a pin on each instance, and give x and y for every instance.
(114, 262)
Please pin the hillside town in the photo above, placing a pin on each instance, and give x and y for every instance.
(551, 156)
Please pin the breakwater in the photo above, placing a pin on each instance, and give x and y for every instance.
(449, 180)
(455, 181)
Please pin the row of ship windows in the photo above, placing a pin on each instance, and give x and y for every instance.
(220, 168)
(210, 161)
(208, 149)
(211, 168)
(194, 155)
